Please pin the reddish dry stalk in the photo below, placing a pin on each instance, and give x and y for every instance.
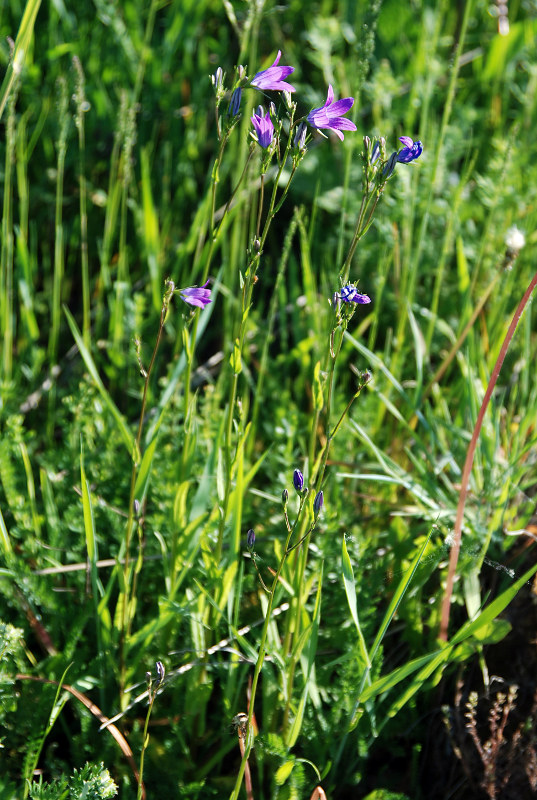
(96, 711)
(457, 533)
(242, 733)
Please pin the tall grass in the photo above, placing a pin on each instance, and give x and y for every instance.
(144, 438)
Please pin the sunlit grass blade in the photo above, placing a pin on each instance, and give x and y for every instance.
(350, 591)
(439, 658)
(5, 543)
(22, 45)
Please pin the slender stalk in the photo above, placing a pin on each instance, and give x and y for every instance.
(127, 597)
(6, 258)
(250, 278)
(151, 693)
(457, 533)
(262, 650)
(63, 102)
(81, 107)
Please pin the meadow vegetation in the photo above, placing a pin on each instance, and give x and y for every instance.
(267, 399)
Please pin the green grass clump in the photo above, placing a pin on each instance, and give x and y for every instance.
(144, 632)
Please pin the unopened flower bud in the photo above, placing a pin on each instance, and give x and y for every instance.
(375, 153)
(159, 666)
(318, 503)
(217, 79)
(235, 102)
(298, 480)
(250, 539)
(300, 136)
(390, 165)
(285, 497)
(367, 142)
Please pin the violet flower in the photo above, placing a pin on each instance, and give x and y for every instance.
(196, 295)
(348, 294)
(331, 114)
(264, 128)
(272, 78)
(410, 151)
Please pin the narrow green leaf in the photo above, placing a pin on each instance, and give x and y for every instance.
(92, 369)
(398, 596)
(235, 359)
(350, 590)
(89, 522)
(5, 543)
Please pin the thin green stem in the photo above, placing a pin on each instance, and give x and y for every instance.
(262, 650)
(81, 108)
(127, 597)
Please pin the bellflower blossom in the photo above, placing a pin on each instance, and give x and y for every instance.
(264, 129)
(330, 115)
(410, 151)
(348, 294)
(272, 78)
(196, 295)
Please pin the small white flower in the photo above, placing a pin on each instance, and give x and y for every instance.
(514, 239)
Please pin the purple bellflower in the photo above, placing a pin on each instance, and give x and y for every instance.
(264, 129)
(410, 151)
(273, 77)
(196, 295)
(331, 114)
(348, 294)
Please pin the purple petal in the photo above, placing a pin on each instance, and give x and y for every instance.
(407, 141)
(272, 77)
(342, 124)
(330, 95)
(340, 107)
